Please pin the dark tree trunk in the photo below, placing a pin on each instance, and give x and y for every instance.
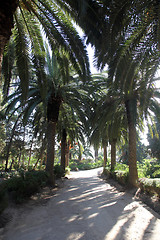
(131, 116)
(67, 154)
(10, 168)
(7, 9)
(51, 132)
(80, 153)
(36, 163)
(52, 116)
(113, 154)
(3, 41)
(104, 155)
(63, 149)
(30, 153)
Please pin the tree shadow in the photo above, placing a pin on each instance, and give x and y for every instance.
(88, 208)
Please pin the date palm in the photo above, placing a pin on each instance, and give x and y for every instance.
(71, 125)
(55, 91)
(134, 85)
(31, 21)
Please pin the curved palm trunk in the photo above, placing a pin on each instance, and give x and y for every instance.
(113, 154)
(51, 132)
(7, 9)
(63, 149)
(133, 174)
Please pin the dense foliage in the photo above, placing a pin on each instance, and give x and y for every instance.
(154, 139)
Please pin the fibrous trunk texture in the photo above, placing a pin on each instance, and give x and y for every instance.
(51, 131)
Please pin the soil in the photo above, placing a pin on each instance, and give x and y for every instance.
(85, 207)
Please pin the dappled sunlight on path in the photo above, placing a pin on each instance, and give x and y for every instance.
(86, 208)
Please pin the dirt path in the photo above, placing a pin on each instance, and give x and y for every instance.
(85, 208)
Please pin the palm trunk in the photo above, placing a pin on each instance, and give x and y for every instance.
(67, 154)
(53, 107)
(96, 153)
(7, 9)
(133, 174)
(80, 152)
(51, 132)
(63, 149)
(3, 41)
(104, 155)
(30, 153)
(113, 154)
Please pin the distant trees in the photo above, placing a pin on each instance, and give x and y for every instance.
(153, 137)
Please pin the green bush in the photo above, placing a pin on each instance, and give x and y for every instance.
(59, 171)
(3, 197)
(121, 176)
(73, 165)
(120, 173)
(19, 188)
(85, 164)
(150, 186)
(121, 167)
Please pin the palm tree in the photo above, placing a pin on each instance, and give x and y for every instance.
(135, 88)
(71, 124)
(128, 40)
(31, 22)
(52, 94)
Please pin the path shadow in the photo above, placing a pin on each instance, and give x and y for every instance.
(87, 208)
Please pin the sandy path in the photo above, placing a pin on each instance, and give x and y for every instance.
(85, 208)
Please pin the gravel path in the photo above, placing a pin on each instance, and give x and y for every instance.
(86, 208)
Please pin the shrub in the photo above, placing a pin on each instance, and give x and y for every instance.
(85, 164)
(59, 171)
(150, 186)
(3, 197)
(120, 173)
(19, 188)
(121, 176)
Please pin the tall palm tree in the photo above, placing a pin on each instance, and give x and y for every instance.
(53, 93)
(31, 21)
(135, 88)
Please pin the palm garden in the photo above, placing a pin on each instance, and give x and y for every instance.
(52, 107)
